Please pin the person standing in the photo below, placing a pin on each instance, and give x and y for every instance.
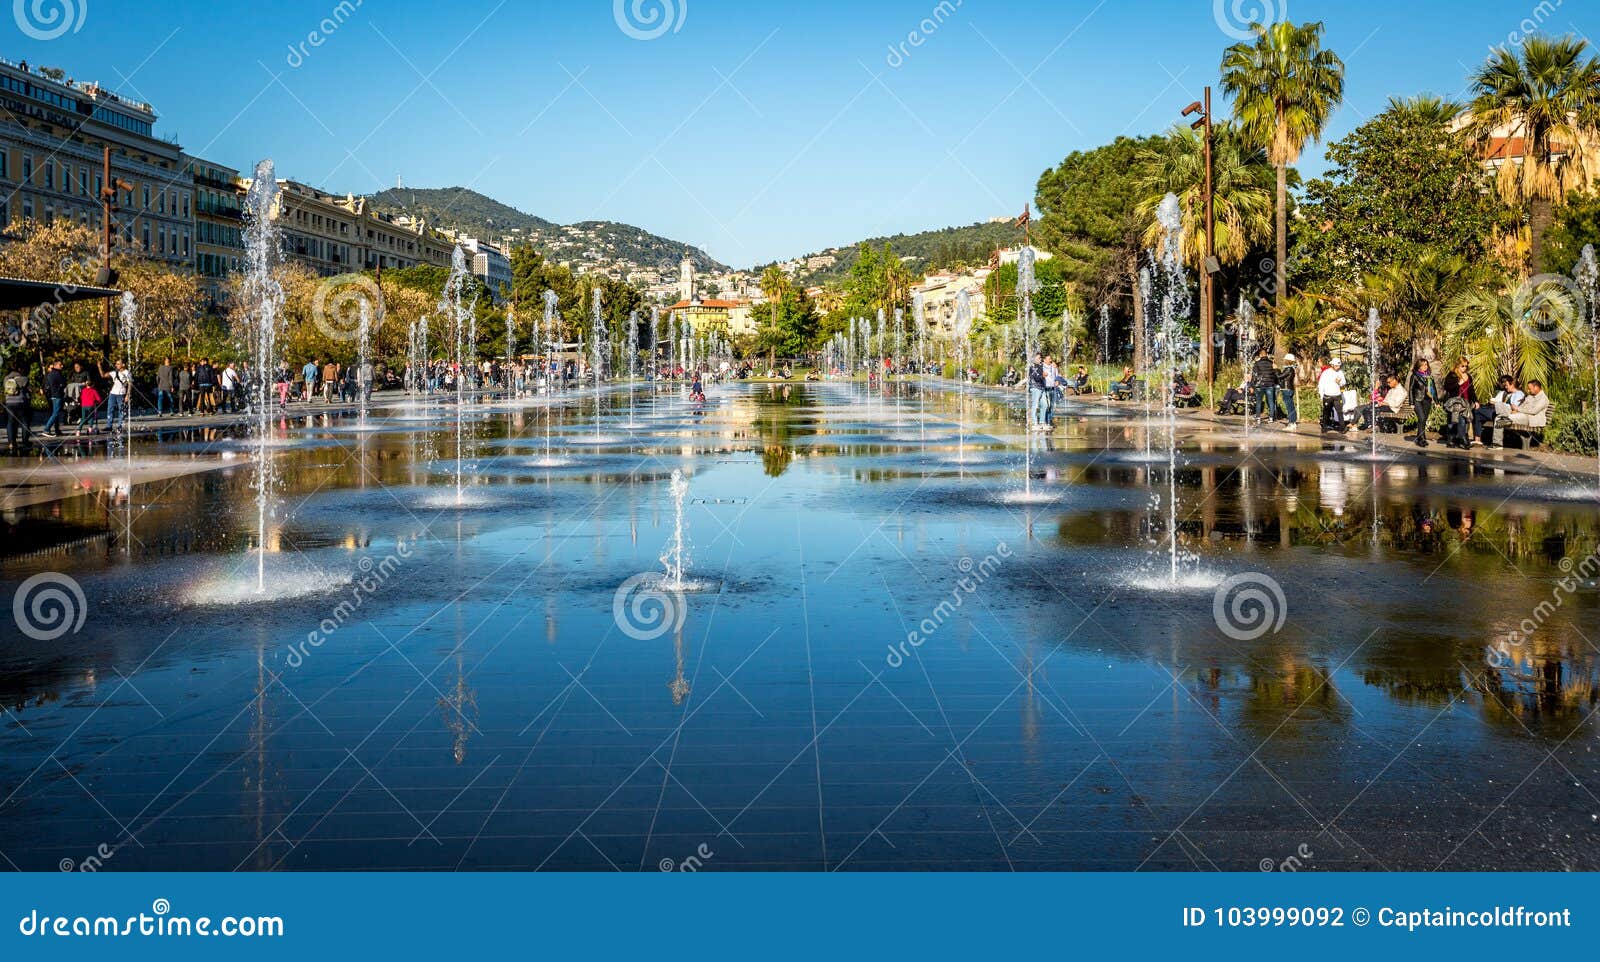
(1036, 392)
(1264, 377)
(330, 381)
(230, 390)
(164, 385)
(1330, 389)
(1460, 401)
(186, 389)
(118, 407)
(1424, 391)
(309, 375)
(1288, 375)
(55, 394)
(205, 382)
(1052, 384)
(19, 409)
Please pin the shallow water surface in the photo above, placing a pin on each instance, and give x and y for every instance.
(899, 651)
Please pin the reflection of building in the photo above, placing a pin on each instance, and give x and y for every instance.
(53, 137)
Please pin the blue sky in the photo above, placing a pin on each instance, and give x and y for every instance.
(755, 130)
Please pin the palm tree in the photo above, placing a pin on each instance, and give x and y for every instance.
(1410, 298)
(1521, 333)
(1284, 87)
(1425, 109)
(1547, 93)
(1241, 183)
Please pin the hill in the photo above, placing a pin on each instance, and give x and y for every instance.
(586, 245)
(931, 250)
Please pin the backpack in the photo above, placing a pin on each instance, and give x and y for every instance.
(15, 385)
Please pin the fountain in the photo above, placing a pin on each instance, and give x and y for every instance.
(1587, 274)
(263, 297)
(1175, 305)
(128, 318)
(511, 351)
(597, 355)
(676, 556)
(1027, 286)
(1247, 339)
(363, 363)
(633, 359)
(452, 305)
(1372, 374)
(963, 347)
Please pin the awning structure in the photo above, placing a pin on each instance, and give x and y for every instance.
(17, 294)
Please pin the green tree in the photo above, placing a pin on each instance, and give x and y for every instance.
(1087, 217)
(1284, 87)
(1546, 93)
(1241, 184)
(1401, 185)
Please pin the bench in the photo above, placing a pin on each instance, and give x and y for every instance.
(1393, 422)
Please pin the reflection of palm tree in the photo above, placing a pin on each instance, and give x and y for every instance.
(679, 686)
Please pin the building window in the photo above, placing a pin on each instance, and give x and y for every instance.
(27, 170)
(5, 164)
(147, 237)
(146, 197)
(83, 182)
(49, 176)
(27, 208)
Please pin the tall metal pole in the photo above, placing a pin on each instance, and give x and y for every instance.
(108, 193)
(1208, 322)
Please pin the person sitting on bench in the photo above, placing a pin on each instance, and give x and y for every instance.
(1484, 416)
(1183, 393)
(1533, 414)
(1388, 409)
(1078, 383)
(1233, 400)
(1122, 388)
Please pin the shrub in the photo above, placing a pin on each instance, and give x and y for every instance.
(1571, 432)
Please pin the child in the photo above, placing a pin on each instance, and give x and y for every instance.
(89, 411)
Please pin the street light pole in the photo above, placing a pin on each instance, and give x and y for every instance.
(1210, 267)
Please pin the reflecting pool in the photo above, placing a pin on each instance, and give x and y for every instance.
(883, 655)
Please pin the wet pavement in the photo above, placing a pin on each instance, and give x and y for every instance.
(903, 646)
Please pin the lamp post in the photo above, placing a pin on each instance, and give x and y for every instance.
(1210, 267)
